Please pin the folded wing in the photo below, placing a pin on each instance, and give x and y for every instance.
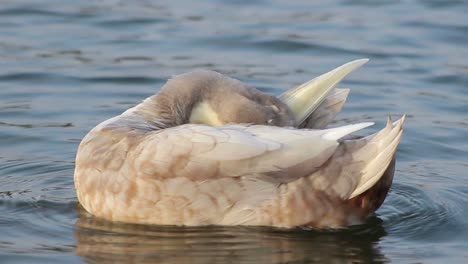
(321, 117)
(271, 153)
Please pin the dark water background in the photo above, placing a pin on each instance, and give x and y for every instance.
(67, 65)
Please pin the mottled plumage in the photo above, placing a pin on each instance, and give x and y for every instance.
(209, 150)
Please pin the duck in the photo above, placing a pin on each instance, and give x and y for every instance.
(208, 149)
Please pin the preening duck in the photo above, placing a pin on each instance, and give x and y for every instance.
(210, 150)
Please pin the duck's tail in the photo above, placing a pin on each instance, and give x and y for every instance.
(377, 153)
(361, 169)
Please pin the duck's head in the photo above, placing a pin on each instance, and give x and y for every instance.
(208, 97)
(225, 100)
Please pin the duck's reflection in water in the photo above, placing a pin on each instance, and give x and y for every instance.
(101, 241)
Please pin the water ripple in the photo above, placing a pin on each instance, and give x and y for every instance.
(60, 78)
(131, 22)
(420, 210)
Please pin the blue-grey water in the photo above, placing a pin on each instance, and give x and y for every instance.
(65, 66)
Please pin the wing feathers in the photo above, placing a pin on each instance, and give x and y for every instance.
(274, 154)
(282, 154)
(339, 132)
(327, 110)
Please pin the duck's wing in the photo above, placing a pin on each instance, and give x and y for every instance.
(321, 117)
(304, 99)
(201, 152)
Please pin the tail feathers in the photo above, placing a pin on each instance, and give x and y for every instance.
(327, 110)
(358, 163)
(377, 154)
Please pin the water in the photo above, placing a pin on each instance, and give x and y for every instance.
(67, 65)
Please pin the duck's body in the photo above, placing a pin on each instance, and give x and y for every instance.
(175, 159)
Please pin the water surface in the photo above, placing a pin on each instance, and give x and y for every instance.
(65, 66)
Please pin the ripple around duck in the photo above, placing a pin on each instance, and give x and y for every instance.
(36, 229)
(22, 179)
(37, 206)
(415, 213)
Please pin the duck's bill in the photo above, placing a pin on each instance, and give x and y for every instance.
(305, 98)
